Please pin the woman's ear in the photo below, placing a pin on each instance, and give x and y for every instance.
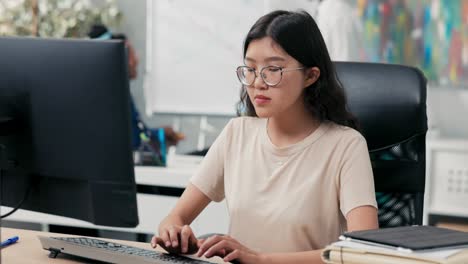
(312, 75)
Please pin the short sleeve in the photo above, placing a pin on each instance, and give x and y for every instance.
(356, 177)
(209, 178)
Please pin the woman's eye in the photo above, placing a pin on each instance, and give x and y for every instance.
(274, 69)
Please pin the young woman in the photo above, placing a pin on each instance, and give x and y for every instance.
(295, 173)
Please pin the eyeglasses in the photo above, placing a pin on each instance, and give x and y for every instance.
(271, 75)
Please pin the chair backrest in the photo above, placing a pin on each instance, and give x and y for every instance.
(390, 104)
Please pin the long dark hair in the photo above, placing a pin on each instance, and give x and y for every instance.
(298, 34)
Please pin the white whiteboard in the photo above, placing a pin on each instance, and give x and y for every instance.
(193, 50)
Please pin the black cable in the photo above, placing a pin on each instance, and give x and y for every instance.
(4, 165)
(26, 195)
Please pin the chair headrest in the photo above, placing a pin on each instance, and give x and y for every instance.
(388, 100)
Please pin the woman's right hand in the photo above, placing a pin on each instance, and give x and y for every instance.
(176, 239)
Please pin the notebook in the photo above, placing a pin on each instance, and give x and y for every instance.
(411, 237)
(351, 252)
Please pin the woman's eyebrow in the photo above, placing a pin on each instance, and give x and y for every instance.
(249, 59)
(274, 58)
(269, 59)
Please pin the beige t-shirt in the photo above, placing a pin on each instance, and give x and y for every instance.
(292, 198)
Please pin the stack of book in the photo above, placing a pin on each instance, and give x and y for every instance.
(400, 245)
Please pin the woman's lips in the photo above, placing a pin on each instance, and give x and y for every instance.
(261, 99)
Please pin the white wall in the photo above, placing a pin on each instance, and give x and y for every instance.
(448, 112)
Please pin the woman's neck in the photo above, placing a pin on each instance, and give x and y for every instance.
(291, 127)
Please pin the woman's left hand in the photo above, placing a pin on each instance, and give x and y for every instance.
(227, 248)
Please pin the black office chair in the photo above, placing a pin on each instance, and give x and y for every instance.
(390, 104)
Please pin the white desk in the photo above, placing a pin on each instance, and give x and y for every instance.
(151, 208)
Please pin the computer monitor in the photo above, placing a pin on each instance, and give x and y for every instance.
(65, 125)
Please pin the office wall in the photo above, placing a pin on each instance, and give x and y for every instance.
(447, 112)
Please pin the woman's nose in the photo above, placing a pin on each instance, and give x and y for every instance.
(259, 83)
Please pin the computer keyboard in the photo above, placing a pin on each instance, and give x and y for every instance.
(106, 251)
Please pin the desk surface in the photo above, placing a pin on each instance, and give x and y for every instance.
(28, 248)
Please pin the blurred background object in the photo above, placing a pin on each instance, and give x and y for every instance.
(429, 34)
(55, 18)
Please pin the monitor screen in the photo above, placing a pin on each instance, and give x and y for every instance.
(65, 129)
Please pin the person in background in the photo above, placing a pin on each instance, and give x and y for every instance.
(294, 170)
(101, 32)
